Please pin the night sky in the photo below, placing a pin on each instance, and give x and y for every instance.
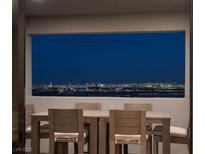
(108, 58)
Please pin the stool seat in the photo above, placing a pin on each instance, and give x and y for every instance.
(131, 139)
(174, 131)
(67, 137)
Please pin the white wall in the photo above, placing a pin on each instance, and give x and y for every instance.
(178, 107)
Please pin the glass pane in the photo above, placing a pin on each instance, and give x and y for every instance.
(149, 64)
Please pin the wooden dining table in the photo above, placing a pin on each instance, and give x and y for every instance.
(98, 121)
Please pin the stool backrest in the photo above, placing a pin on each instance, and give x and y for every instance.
(146, 107)
(29, 112)
(65, 120)
(128, 122)
(88, 106)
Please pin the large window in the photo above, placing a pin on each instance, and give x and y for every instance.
(150, 64)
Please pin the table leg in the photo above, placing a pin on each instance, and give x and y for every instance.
(166, 136)
(35, 135)
(102, 136)
(93, 136)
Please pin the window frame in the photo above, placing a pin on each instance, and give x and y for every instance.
(136, 99)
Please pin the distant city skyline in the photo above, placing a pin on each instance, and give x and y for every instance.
(97, 83)
(111, 90)
(108, 58)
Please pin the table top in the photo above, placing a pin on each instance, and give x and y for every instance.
(105, 114)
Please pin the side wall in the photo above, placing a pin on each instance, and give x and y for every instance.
(179, 108)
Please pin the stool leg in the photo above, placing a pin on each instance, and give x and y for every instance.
(149, 145)
(88, 144)
(61, 148)
(156, 147)
(188, 145)
(118, 148)
(75, 148)
(125, 148)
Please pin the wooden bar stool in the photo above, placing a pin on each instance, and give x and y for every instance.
(178, 135)
(146, 107)
(87, 106)
(66, 125)
(44, 130)
(127, 127)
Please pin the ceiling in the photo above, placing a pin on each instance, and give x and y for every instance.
(83, 7)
